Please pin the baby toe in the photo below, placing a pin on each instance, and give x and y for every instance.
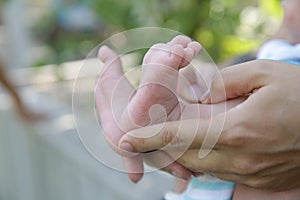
(154, 53)
(176, 56)
(180, 39)
(105, 54)
(165, 54)
(112, 63)
(195, 46)
(192, 49)
(187, 57)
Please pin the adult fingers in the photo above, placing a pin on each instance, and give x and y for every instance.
(239, 80)
(215, 162)
(163, 161)
(181, 135)
(192, 111)
(178, 134)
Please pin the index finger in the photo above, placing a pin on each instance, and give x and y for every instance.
(240, 80)
(205, 134)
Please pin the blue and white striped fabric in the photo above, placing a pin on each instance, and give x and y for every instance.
(207, 187)
(280, 50)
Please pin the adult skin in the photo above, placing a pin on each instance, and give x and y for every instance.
(106, 92)
(259, 145)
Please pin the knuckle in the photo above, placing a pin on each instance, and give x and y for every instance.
(236, 136)
(254, 183)
(259, 183)
(262, 69)
(174, 138)
(168, 135)
(250, 165)
(245, 166)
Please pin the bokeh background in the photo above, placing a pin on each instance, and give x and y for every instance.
(65, 30)
(42, 46)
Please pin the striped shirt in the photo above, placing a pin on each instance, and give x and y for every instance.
(207, 187)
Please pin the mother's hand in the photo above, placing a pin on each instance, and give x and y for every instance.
(259, 143)
(111, 102)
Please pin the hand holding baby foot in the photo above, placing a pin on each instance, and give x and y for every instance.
(110, 78)
(158, 86)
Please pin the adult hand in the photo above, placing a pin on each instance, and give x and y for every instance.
(111, 103)
(115, 95)
(259, 144)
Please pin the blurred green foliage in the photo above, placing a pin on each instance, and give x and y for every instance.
(225, 28)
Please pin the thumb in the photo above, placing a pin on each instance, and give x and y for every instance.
(238, 81)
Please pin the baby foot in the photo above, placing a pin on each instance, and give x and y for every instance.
(108, 80)
(156, 97)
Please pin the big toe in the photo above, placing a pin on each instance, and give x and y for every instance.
(195, 46)
(112, 63)
(105, 54)
(165, 54)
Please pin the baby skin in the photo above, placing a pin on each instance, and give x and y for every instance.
(158, 84)
(172, 56)
(156, 100)
(164, 59)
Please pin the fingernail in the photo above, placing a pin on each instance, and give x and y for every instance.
(126, 147)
